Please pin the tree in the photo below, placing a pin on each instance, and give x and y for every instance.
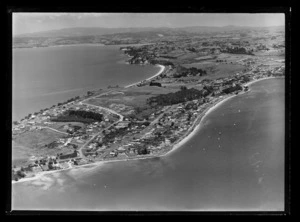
(143, 151)
(155, 84)
(183, 88)
(50, 166)
(20, 173)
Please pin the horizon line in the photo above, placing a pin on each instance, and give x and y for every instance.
(170, 27)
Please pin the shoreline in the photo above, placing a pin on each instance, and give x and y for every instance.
(182, 140)
(96, 163)
(162, 69)
(196, 126)
(257, 80)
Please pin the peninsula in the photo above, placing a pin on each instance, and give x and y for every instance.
(153, 117)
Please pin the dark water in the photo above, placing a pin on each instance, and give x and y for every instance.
(242, 170)
(42, 77)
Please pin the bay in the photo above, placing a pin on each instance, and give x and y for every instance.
(43, 77)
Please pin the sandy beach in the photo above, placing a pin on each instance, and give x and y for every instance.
(162, 68)
(256, 80)
(194, 128)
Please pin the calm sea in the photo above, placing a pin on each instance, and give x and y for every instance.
(42, 77)
(235, 161)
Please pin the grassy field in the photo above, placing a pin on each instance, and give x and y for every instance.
(20, 154)
(129, 100)
(233, 57)
(60, 125)
(215, 71)
(33, 143)
(131, 97)
(36, 139)
(205, 58)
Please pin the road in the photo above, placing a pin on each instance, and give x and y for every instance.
(93, 137)
(101, 107)
(107, 109)
(46, 127)
(101, 94)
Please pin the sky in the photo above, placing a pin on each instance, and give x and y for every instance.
(36, 22)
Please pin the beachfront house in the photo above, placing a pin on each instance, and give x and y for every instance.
(113, 153)
(121, 149)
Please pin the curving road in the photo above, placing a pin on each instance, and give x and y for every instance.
(93, 137)
(101, 107)
(107, 109)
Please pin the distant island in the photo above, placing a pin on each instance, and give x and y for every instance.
(152, 117)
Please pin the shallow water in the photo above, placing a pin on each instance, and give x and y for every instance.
(235, 161)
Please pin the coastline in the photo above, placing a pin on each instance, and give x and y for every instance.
(182, 140)
(85, 89)
(162, 68)
(196, 126)
(256, 80)
(96, 163)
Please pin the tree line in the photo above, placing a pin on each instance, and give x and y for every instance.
(68, 101)
(174, 98)
(79, 116)
(183, 72)
(161, 62)
(237, 50)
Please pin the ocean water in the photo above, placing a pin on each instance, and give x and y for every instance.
(235, 161)
(43, 77)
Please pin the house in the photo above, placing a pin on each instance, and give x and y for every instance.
(44, 167)
(68, 141)
(167, 142)
(131, 151)
(122, 124)
(113, 153)
(66, 127)
(70, 155)
(121, 149)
